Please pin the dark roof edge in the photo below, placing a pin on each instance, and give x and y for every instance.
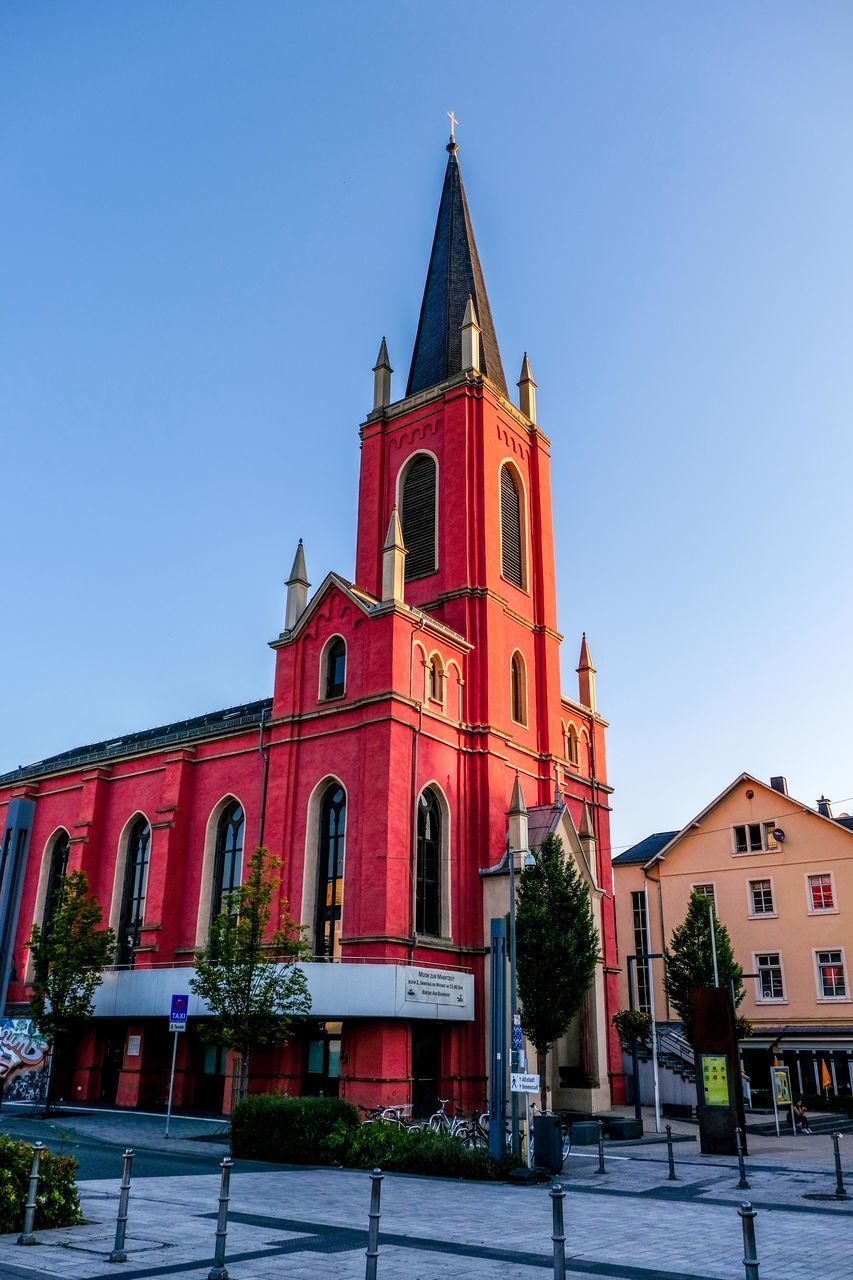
(211, 725)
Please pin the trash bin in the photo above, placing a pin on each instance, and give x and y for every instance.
(547, 1143)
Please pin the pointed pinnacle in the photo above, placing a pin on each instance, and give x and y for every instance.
(394, 536)
(526, 375)
(298, 572)
(586, 828)
(382, 361)
(516, 804)
(585, 661)
(470, 316)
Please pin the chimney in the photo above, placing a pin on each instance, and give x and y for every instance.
(297, 590)
(470, 338)
(382, 378)
(780, 785)
(824, 807)
(517, 814)
(393, 562)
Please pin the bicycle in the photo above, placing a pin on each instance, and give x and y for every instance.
(440, 1121)
(383, 1115)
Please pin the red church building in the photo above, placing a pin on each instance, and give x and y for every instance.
(406, 704)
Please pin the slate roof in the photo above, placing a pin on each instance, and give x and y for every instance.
(542, 819)
(454, 272)
(207, 726)
(645, 849)
(845, 822)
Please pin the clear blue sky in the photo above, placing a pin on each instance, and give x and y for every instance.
(213, 211)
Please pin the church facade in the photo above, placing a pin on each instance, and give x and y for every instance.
(408, 704)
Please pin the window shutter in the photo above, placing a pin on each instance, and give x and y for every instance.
(510, 528)
(419, 517)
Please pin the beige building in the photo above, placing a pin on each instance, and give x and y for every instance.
(780, 875)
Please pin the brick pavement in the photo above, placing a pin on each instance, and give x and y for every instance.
(630, 1224)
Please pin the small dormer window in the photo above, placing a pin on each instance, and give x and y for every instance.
(336, 668)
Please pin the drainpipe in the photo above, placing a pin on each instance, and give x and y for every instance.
(264, 754)
(414, 850)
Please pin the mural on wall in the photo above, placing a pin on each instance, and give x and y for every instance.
(23, 1059)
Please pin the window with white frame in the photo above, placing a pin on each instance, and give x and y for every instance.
(755, 837)
(832, 980)
(821, 896)
(706, 891)
(769, 982)
(761, 898)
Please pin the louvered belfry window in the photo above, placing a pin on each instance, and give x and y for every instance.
(419, 517)
(511, 564)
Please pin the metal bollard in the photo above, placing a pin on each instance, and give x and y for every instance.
(373, 1229)
(118, 1254)
(671, 1176)
(743, 1182)
(26, 1236)
(219, 1271)
(558, 1234)
(601, 1168)
(839, 1176)
(750, 1257)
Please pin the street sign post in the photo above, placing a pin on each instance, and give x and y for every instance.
(177, 1023)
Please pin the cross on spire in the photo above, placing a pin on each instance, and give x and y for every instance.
(453, 123)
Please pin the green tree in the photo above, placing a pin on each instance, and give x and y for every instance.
(689, 961)
(252, 982)
(68, 954)
(557, 945)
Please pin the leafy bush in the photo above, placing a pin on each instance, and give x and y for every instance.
(633, 1027)
(57, 1201)
(400, 1150)
(292, 1130)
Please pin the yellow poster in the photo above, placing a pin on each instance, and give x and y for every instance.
(782, 1085)
(715, 1079)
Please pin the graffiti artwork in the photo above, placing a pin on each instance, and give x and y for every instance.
(23, 1054)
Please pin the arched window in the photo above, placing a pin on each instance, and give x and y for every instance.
(56, 870)
(133, 893)
(512, 562)
(572, 750)
(228, 856)
(436, 677)
(518, 689)
(428, 872)
(418, 516)
(336, 668)
(333, 820)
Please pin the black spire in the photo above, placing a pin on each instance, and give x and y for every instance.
(454, 273)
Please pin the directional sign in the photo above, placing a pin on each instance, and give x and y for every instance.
(521, 1082)
(178, 1013)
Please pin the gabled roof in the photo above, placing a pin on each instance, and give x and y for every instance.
(207, 726)
(454, 275)
(645, 849)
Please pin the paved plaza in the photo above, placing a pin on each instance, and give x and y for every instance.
(630, 1223)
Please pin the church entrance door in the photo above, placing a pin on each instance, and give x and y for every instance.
(426, 1043)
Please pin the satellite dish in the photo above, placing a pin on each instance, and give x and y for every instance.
(778, 835)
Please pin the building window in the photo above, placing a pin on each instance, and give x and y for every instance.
(821, 896)
(57, 870)
(418, 507)
(512, 562)
(832, 982)
(769, 982)
(336, 668)
(518, 689)
(133, 894)
(333, 818)
(641, 947)
(228, 858)
(428, 872)
(436, 679)
(761, 898)
(706, 891)
(572, 748)
(755, 837)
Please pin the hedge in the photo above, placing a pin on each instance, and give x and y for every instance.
(291, 1130)
(57, 1202)
(327, 1131)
